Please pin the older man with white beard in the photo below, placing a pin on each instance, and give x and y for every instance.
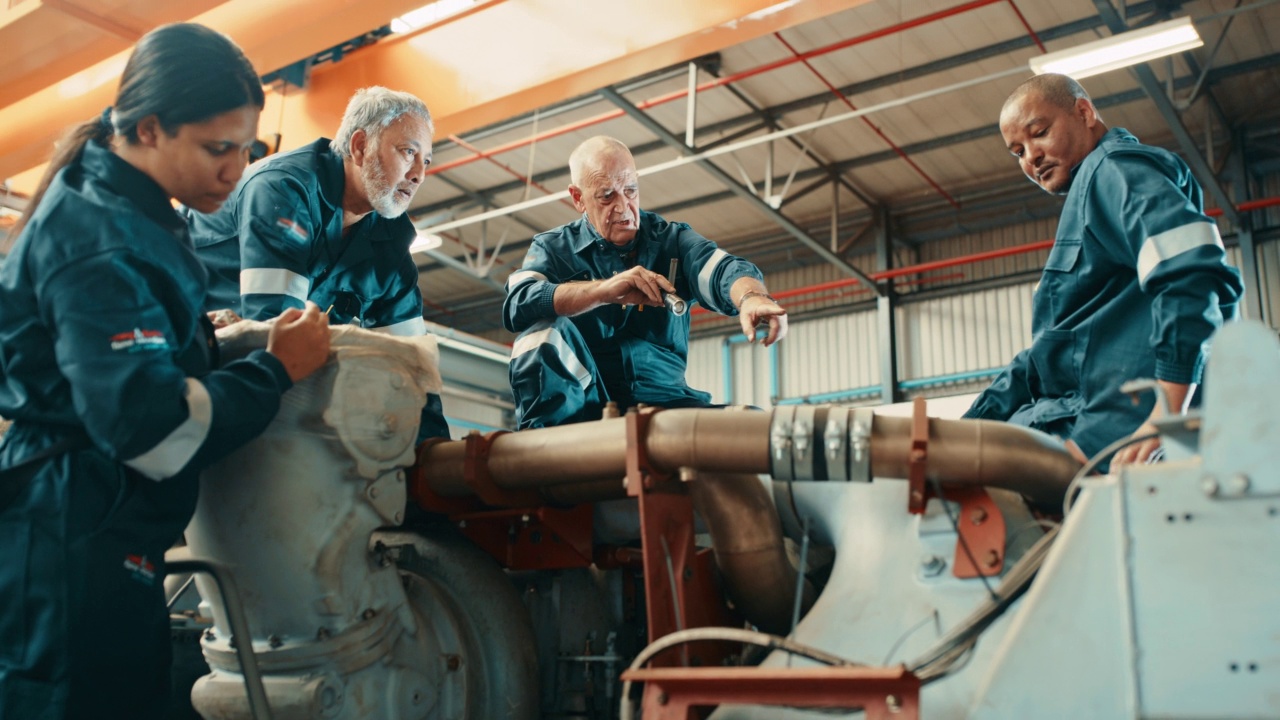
(326, 223)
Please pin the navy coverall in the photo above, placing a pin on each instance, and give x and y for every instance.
(1135, 284)
(104, 346)
(564, 369)
(278, 241)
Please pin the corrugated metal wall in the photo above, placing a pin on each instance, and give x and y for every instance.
(940, 336)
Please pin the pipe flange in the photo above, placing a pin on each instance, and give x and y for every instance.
(780, 443)
(860, 444)
(835, 445)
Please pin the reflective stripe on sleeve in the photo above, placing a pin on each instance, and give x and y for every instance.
(1171, 243)
(413, 327)
(531, 341)
(274, 281)
(522, 276)
(174, 452)
(704, 279)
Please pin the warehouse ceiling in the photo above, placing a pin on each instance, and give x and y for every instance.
(890, 104)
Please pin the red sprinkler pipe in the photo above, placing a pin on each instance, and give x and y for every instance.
(874, 128)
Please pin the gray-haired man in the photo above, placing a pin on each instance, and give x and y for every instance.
(326, 223)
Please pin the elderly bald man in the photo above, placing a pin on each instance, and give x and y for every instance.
(588, 301)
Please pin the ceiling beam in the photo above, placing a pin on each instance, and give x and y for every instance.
(1147, 79)
(739, 190)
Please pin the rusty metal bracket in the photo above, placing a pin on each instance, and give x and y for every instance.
(420, 491)
(919, 457)
(535, 538)
(882, 693)
(475, 473)
(982, 527)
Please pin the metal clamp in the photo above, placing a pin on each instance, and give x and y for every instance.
(780, 443)
(803, 450)
(835, 444)
(860, 444)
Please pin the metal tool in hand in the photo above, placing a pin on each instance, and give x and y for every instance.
(674, 302)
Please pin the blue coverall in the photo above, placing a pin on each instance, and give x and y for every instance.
(1135, 284)
(564, 369)
(104, 345)
(278, 241)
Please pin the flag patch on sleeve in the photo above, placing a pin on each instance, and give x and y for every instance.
(139, 340)
(292, 228)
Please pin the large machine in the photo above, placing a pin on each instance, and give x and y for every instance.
(796, 563)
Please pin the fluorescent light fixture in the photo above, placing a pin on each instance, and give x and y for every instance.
(1118, 51)
(427, 14)
(425, 241)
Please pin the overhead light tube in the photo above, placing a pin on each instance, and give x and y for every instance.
(1119, 51)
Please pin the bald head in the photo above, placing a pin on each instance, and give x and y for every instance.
(1060, 91)
(594, 153)
(606, 188)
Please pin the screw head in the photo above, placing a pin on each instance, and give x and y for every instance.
(274, 641)
(932, 565)
(893, 704)
(993, 558)
(1238, 484)
(978, 515)
(1209, 484)
(452, 662)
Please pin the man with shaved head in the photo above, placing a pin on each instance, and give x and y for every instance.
(589, 301)
(1134, 286)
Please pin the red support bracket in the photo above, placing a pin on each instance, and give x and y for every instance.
(919, 493)
(475, 473)
(982, 528)
(882, 693)
(679, 586)
(420, 490)
(538, 538)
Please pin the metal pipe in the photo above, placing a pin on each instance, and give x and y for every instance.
(746, 536)
(728, 450)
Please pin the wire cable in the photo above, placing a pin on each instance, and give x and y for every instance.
(1073, 489)
(938, 660)
(772, 642)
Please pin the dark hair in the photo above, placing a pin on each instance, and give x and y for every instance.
(182, 73)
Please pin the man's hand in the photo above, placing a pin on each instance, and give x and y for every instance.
(1138, 452)
(223, 318)
(636, 286)
(300, 340)
(758, 309)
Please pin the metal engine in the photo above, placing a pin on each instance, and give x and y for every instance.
(799, 563)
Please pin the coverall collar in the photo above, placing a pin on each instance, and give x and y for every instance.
(132, 184)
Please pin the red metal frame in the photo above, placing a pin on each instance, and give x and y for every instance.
(883, 693)
(680, 591)
(536, 538)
